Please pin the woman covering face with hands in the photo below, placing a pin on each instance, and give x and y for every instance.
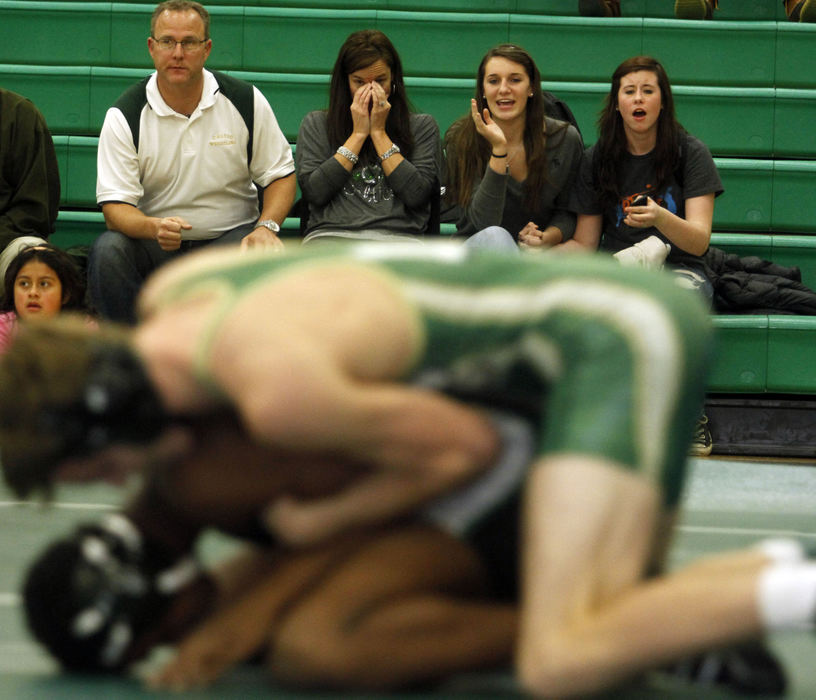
(509, 165)
(367, 166)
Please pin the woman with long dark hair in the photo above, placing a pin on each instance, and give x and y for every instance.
(368, 165)
(646, 189)
(509, 165)
(647, 182)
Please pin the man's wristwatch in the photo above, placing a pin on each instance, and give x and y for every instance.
(271, 224)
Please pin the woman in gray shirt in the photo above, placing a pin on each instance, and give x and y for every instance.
(509, 165)
(368, 166)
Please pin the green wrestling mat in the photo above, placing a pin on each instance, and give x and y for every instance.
(728, 504)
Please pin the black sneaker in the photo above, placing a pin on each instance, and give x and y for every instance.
(701, 443)
(749, 669)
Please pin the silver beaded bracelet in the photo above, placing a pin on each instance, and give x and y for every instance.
(348, 155)
(390, 152)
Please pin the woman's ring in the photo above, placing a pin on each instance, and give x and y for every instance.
(382, 103)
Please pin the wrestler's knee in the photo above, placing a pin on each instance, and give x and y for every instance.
(563, 666)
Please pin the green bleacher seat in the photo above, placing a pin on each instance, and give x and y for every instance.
(55, 33)
(76, 158)
(766, 353)
(712, 53)
(61, 149)
(743, 244)
(730, 121)
(107, 84)
(443, 44)
(451, 5)
(77, 228)
(790, 355)
(740, 361)
(747, 202)
(796, 251)
(446, 99)
(756, 10)
(795, 54)
(291, 96)
(319, 4)
(278, 40)
(794, 200)
(79, 186)
(794, 135)
(61, 93)
(552, 42)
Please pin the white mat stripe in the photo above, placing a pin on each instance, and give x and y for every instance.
(65, 506)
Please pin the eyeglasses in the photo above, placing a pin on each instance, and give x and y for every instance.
(187, 45)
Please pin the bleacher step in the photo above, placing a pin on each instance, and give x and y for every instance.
(762, 426)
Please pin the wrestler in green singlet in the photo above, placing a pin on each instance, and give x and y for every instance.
(611, 359)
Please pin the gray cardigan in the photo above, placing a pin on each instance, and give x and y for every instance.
(498, 200)
(367, 199)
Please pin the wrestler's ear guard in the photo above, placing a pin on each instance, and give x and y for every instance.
(118, 405)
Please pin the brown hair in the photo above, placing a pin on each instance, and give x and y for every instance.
(73, 286)
(468, 152)
(44, 370)
(181, 6)
(611, 148)
(360, 50)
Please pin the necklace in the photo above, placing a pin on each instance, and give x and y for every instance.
(513, 152)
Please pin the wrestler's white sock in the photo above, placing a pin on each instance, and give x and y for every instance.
(781, 550)
(787, 596)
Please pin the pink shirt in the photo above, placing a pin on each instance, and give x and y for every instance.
(8, 328)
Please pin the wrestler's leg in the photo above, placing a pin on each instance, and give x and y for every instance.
(410, 608)
(589, 620)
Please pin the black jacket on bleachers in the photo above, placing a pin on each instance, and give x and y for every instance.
(751, 285)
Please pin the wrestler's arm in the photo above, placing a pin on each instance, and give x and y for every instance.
(254, 591)
(422, 443)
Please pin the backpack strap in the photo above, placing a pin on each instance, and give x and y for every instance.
(240, 93)
(130, 104)
(556, 108)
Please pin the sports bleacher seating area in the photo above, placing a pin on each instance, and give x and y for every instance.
(745, 84)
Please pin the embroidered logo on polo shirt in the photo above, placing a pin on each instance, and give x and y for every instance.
(222, 140)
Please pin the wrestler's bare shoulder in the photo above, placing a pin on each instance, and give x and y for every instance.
(357, 312)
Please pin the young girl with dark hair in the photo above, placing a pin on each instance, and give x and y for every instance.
(40, 282)
(509, 165)
(367, 166)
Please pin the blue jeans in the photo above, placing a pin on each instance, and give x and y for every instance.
(493, 238)
(118, 266)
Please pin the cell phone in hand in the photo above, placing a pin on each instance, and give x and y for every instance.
(640, 201)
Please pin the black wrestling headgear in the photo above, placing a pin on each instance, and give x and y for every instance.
(91, 594)
(117, 404)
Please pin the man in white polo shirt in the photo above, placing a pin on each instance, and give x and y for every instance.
(180, 155)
